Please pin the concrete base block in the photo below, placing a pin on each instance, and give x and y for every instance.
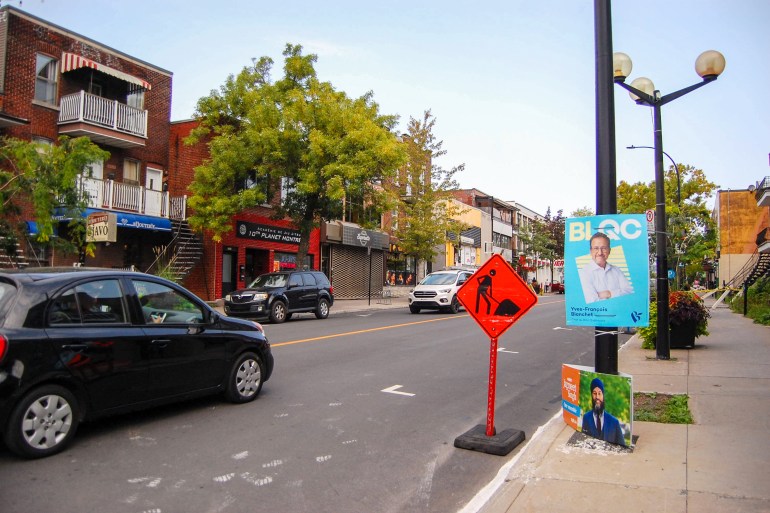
(500, 444)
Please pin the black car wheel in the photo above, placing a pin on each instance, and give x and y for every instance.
(322, 310)
(278, 312)
(414, 309)
(43, 422)
(245, 379)
(454, 307)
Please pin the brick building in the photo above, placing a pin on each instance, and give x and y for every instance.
(55, 82)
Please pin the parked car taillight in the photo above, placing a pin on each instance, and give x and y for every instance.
(3, 346)
(331, 289)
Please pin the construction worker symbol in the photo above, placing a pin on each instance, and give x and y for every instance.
(484, 292)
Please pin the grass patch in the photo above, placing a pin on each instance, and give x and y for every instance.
(662, 408)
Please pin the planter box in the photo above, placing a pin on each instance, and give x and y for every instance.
(682, 336)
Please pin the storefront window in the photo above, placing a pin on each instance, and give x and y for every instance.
(288, 261)
(401, 269)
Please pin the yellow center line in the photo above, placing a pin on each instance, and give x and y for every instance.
(381, 328)
(349, 333)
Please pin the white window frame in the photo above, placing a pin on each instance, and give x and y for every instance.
(46, 75)
(127, 174)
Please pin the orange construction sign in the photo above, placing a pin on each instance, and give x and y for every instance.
(496, 297)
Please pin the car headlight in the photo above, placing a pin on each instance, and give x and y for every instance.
(445, 291)
(260, 296)
(227, 298)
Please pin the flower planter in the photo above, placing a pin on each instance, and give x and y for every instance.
(682, 336)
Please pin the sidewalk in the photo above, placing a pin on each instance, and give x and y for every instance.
(721, 463)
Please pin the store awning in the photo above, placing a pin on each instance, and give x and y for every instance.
(143, 222)
(31, 227)
(125, 220)
(70, 61)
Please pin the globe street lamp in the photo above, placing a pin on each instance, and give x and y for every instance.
(709, 65)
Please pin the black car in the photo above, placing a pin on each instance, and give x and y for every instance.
(77, 344)
(278, 295)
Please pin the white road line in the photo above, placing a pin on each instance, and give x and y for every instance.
(502, 350)
(393, 390)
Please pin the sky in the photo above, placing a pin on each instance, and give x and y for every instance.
(511, 84)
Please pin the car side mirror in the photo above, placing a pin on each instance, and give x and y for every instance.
(214, 317)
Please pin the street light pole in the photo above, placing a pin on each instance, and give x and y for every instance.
(676, 168)
(709, 65)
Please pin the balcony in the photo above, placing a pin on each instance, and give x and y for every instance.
(106, 122)
(762, 193)
(117, 196)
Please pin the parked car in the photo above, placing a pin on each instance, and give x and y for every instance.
(277, 296)
(557, 287)
(77, 344)
(438, 291)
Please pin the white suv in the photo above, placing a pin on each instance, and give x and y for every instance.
(438, 291)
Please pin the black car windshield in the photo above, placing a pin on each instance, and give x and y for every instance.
(269, 281)
(439, 279)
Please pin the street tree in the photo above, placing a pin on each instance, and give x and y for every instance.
(423, 192)
(544, 238)
(582, 212)
(690, 227)
(45, 177)
(323, 151)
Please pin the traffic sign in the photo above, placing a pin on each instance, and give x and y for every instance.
(496, 297)
(650, 215)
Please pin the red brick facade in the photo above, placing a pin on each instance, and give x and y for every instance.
(256, 256)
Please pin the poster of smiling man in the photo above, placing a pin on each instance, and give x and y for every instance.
(606, 270)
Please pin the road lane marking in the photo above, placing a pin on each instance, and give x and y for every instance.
(502, 350)
(394, 390)
(370, 330)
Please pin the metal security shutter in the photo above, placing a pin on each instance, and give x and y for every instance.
(351, 270)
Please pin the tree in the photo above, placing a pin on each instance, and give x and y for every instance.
(297, 135)
(582, 212)
(427, 216)
(690, 227)
(45, 177)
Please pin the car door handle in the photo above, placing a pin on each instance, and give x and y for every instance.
(162, 342)
(75, 347)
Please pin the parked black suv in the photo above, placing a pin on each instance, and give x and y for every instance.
(76, 344)
(278, 295)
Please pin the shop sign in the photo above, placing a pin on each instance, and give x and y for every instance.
(101, 227)
(266, 232)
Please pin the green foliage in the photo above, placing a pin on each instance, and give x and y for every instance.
(47, 177)
(662, 408)
(758, 305)
(683, 307)
(423, 193)
(583, 212)
(692, 231)
(324, 149)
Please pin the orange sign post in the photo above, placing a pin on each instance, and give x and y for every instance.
(496, 297)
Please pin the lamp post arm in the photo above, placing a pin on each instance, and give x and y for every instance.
(678, 94)
(643, 97)
(676, 168)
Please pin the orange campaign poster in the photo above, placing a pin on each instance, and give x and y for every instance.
(598, 405)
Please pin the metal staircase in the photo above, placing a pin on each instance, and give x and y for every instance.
(14, 258)
(757, 267)
(182, 254)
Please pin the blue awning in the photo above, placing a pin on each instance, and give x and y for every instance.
(143, 222)
(126, 220)
(31, 227)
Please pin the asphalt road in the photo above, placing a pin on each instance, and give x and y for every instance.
(359, 416)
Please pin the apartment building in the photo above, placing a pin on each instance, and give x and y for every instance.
(55, 82)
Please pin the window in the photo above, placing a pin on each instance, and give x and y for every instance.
(46, 77)
(162, 304)
(91, 303)
(131, 171)
(135, 98)
(42, 145)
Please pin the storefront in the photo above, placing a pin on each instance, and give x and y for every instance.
(354, 259)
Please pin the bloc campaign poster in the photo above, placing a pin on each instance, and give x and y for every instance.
(598, 405)
(607, 271)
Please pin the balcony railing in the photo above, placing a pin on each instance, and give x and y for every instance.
(762, 194)
(89, 108)
(112, 195)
